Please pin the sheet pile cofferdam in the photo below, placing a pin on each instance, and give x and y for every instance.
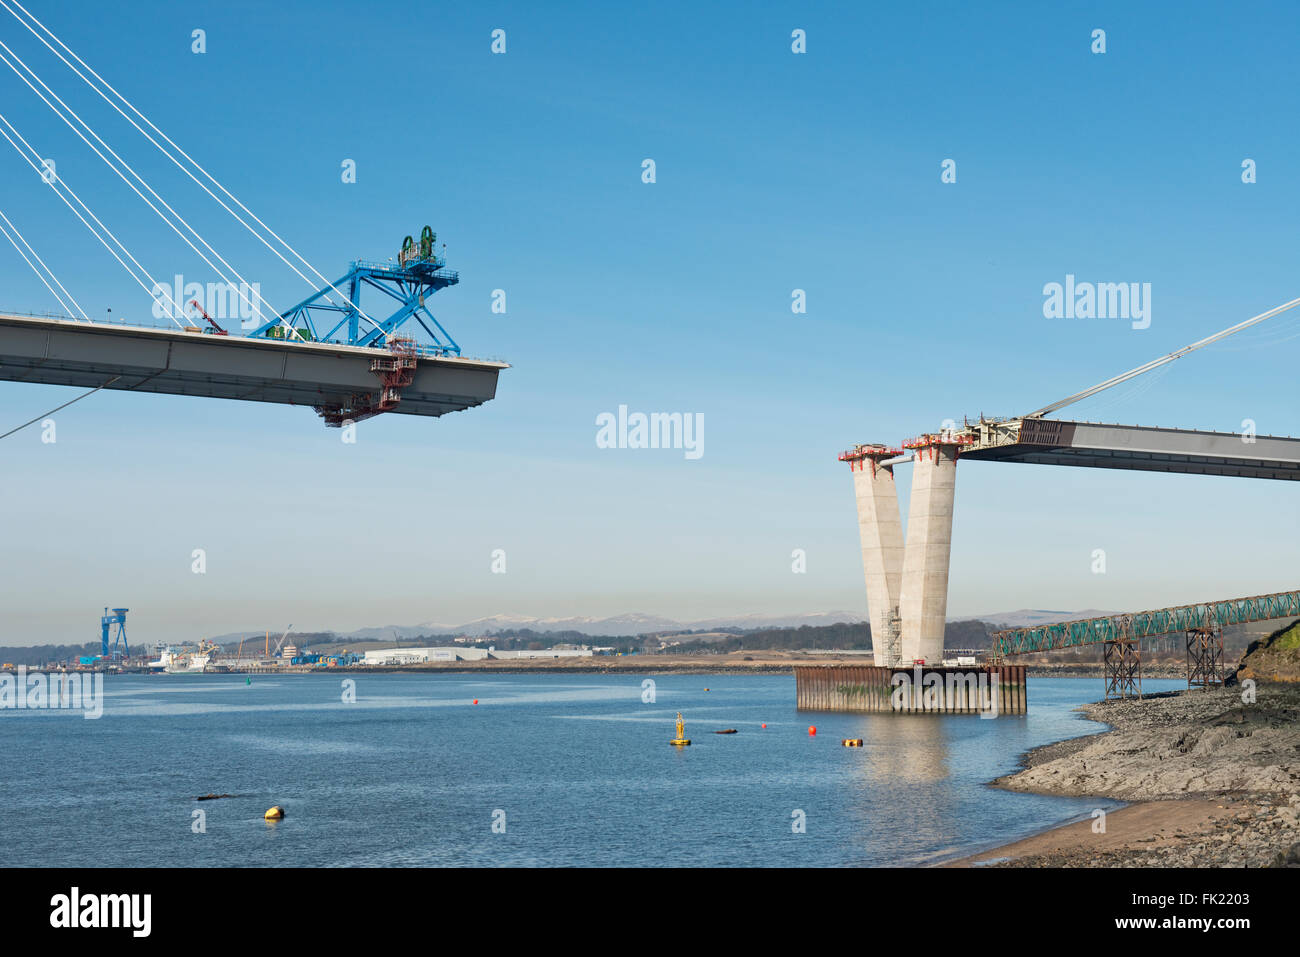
(981, 689)
(331, 377)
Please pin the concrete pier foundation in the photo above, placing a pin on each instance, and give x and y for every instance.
(986, 689)
(923, 596)
(881, 533)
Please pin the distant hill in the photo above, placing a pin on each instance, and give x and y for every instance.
(633, 624)
(578, 628)
(637, 623)
(40, 654)
(844, 636)
(1030, 617)
(837, 636)
(628, 625)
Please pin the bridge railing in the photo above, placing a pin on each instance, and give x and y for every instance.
(1147, 624)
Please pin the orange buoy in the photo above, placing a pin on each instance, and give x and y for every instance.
(765, 725)
(812, 729)
(476, 700)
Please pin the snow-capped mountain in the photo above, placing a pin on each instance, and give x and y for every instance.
(633, 623)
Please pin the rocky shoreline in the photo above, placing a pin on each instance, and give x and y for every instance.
(1237, 761)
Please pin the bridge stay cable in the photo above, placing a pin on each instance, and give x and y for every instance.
(1163, 360)
(39, 274)
(239, 291)
(45, 415)
(55, 184)
(127, 166)
(320, 276)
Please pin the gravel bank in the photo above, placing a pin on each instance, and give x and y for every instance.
(1240, 759)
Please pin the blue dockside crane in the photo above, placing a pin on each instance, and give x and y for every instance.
(418, 273)
(106, 624)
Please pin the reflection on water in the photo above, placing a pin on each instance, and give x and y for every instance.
(413, 771)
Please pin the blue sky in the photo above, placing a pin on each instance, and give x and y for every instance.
(775, 171)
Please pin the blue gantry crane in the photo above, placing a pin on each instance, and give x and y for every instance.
(106, 623)
(418, 273)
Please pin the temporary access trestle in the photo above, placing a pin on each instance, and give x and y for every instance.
(1120, 636)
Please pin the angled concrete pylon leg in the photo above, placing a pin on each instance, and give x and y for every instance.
(923, 599)
(881, 531)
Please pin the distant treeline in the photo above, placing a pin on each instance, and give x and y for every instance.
(40, 654)
(843, 636)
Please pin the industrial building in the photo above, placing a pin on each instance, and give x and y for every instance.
(545, 653)
(414, 656)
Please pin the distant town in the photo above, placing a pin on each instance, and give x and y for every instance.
(729, 647)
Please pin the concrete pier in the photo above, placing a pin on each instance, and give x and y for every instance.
(881, 533)
(923, 598)
(986, 689)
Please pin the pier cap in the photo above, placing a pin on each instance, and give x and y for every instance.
(870, 451)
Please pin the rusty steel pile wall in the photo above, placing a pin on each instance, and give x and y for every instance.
(868, 688)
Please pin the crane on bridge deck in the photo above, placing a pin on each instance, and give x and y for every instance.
(416, 367)
(216, 329)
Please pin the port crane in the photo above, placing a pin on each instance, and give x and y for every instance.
(107, 625)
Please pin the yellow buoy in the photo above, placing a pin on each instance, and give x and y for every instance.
(274, 814)
(681, 740)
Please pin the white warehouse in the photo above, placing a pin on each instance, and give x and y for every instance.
(413, 656)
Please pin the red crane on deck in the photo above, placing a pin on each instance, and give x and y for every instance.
(216, 329)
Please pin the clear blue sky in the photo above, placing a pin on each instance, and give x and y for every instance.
(775, 171)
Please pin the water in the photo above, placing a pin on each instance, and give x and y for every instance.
(412, 773)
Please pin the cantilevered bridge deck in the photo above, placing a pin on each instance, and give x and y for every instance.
(1061, 442)
(141, 359)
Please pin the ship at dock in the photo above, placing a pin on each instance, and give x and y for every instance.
(179, 661)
